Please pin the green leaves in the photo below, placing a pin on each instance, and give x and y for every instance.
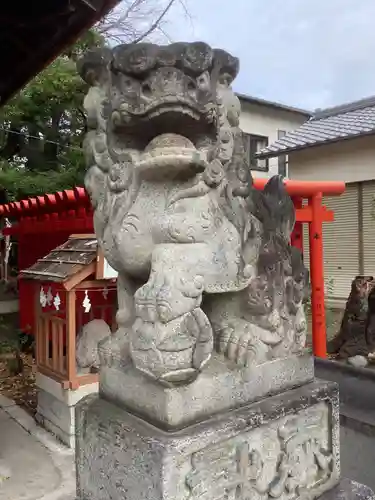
(43, 126)
(21, 183)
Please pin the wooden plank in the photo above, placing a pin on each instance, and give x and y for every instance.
(82, 237)
(102, 267)
(77, 278)
(73, 384)
(99, 264)
(38, 341)
(61, 261)
(80, 380)
(89, 378)
(37, 323)
(79, 250)
(46, 329)
(42, 273)
(60, 336)
(55, 346)
(52, 317)
(42, 342)
(71, 335)
(110, 284)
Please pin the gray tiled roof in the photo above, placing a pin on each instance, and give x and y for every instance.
(330, 125)
(273, 104)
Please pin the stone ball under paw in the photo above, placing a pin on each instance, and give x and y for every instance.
(92, 333)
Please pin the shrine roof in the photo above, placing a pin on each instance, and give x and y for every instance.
(348, 121)
(34, 33)
(75, 256)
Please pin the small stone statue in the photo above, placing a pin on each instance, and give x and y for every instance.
(356, 337)
(88, 339)
(204, 259)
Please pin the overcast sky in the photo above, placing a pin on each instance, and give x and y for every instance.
(305, 53)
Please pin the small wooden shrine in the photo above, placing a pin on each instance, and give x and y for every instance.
(38, 226)
(73, 285)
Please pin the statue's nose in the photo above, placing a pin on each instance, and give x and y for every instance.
(167, 81)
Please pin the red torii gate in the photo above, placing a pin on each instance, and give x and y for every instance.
(70, 211)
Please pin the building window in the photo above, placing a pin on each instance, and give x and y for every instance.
(256, 143)
(282, 159)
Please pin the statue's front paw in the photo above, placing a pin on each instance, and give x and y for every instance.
(178, 296)
(165, 299)
(172, 352)
(241, 344)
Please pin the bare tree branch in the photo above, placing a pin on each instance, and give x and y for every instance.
(165, 34)
(186, 11)
(156, 23)
(133, 21)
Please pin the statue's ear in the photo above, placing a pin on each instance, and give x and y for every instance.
(93, 65)
(226, 63)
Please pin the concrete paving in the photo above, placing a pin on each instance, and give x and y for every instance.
(33, 465)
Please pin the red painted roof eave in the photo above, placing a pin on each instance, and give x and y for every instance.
(48, 203)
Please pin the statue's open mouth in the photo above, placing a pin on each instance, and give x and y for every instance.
(174, 137)
(182, 118)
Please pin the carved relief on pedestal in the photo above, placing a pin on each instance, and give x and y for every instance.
(284, 459)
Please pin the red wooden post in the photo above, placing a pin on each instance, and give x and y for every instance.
(317, 277)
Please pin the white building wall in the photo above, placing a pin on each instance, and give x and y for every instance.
(267, 121)
(349, 161)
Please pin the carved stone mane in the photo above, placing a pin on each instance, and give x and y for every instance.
(204, 260)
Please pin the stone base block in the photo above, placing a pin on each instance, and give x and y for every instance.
(285, 446)
(56, 407)
(220, 387)
(349, 490)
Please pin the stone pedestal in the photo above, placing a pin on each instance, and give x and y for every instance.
(56, 407)
(221, 387)
(285, 446)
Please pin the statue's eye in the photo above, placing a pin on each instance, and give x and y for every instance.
(203, 81)
(129, 84)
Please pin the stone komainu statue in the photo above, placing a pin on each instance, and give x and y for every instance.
(204, 260)
(356, 336)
